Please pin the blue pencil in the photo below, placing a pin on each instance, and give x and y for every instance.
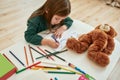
(78, 69)
(17, 58)
(54, 38)
(56, 78)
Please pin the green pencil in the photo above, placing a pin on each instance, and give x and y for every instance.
(60, 72)
(27, 67)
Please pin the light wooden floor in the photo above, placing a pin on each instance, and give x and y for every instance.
(14, 14)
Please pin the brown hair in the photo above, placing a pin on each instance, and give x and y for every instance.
(53, 7)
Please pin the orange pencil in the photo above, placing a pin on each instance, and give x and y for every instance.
(26, 56)
(44, 52)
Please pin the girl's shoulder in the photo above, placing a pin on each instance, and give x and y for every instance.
(36, 19)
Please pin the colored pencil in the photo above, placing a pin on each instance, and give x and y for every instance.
(56, 56)
(50, 54)
(47, 67)
(45, 53)
(78, 69)
(69, 70)
(26, 56)
(54, 64)
(54, 38)
(17, 58)
(59, 72)
(51, 79)
(31, 54)
(38, 52)
(56, 78)
(27, 67)
(9, 59)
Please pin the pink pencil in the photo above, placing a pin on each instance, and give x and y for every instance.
(45, 53)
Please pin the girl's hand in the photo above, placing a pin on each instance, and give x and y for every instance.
(59, 31)
(50, 43)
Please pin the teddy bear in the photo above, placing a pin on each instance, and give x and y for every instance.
(99, 44)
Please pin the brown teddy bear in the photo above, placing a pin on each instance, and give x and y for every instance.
(99, 43)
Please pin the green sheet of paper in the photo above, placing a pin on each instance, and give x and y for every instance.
(5, 65)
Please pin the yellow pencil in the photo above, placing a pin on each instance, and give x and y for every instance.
(49, 69)
(45, 68)
(69, 70)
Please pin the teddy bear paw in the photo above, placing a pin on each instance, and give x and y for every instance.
(100, 58)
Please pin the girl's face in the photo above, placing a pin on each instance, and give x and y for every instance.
(57, 19)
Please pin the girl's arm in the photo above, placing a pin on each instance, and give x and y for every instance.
(31, 34)
(66, 24)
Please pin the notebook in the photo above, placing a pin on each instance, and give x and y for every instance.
(7, 69)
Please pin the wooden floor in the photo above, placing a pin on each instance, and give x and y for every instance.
(14, 14)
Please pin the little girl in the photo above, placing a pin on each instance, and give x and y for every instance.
(53, 14)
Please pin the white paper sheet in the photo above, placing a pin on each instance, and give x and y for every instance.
(80, 60)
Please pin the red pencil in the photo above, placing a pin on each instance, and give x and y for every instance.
(51, 79)
(32, 65)
(27, 67)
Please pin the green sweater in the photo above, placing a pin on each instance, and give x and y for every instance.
(38, 24)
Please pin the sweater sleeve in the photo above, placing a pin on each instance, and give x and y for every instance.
(31, 34)
(68, 22)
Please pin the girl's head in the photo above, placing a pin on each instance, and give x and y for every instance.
(54, 11)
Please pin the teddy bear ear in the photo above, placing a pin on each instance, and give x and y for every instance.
(97, 27)
(112, 32)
